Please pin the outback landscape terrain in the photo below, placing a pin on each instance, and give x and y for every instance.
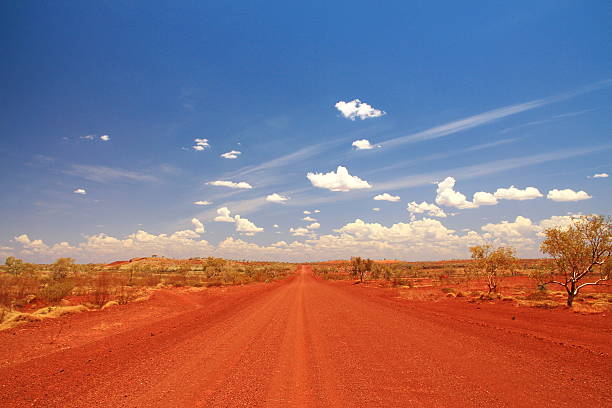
(305, 204)
(209, 332)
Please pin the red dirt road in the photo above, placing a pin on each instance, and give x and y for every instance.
(305, 342)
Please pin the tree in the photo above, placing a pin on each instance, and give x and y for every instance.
(62, 267)
(579, 250)
(494, 264)
(361, 267)
(14, 265)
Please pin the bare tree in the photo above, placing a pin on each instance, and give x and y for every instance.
(494, 264)
(580, 250)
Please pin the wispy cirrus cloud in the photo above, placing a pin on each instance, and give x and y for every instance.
(104, 174)
(484, 118)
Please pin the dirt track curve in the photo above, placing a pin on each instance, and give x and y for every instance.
(305, 342)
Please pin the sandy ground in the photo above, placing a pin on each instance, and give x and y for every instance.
(305, 342)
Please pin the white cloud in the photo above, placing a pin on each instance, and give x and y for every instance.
(309, 219)
(519, 233)
(243, 225)
(307, 212)
(224, 215)
(231, 154)
(357, 109)
(376, 209)
(567, 195)
(314, 225)
(484, 198)
(88, 137)
(275, 225)
(201, 144)
(387, 197)
(490, 116)
(277, 198)
(103, 174)
(198, 226)
(599, 175)
(513, 193)
(300, 232)
(105, 138)
(425, 207)
(317, 211)
(340, 180)
(80, 191)
(230, 184)
(202, 202)
(447, 196)
(426, 239)
(363, 144)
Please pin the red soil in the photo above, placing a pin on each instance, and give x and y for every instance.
(307, 342)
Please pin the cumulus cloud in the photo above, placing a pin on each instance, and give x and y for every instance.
(224, 215)
(202, 202)
(599, 175)
(105, 138)
(230, 184)
(307, 212)
(483, 198)
(376, 209)
(231, 154)
(81, 191)
(517, 233)
(300, 232)
(387, 197)
(314, 225)
(243, 225)
(198, 226)
(277, 198)
(309, 219)
(363, 144)
(275, 225)
(200, 144)
(340, 180)
(425, 207)
(513, 193)
(88, 137)
(425, 239)
(447, 196)
(357, 109)
(317, 211)
(567, 195)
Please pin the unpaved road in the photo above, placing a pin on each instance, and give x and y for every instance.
(306, 343)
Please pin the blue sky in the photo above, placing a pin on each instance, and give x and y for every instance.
(492, 95)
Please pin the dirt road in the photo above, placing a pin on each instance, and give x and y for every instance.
(306, 343)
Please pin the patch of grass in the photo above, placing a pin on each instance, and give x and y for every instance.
(56, 291)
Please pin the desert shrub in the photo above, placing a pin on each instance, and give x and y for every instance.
(101, 292)
(62, 268)
(56, 291)
(5, 290)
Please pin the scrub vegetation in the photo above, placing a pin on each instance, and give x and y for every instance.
(28, 291)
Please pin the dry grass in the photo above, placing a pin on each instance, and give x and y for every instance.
(12, 319)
